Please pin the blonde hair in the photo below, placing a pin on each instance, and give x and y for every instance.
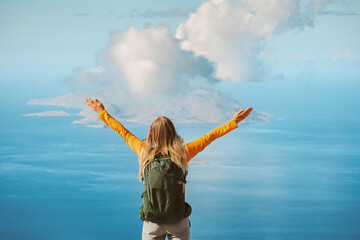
(162, 137)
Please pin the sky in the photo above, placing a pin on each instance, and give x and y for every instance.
(296, 62)
(207, 58)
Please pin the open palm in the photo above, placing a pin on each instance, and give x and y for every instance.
(241, 115)
(96, 105)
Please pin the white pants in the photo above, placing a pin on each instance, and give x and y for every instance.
(176, 231)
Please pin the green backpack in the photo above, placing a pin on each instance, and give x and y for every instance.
(163, 197)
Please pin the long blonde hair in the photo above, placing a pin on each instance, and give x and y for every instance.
(162, 137)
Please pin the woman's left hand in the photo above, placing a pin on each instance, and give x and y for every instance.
(241, 115)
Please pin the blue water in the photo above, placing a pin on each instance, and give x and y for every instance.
(294, 177)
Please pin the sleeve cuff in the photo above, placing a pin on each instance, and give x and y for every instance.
(233, 124)
(102, 114)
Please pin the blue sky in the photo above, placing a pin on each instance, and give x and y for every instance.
(43, 42)
(305, 70)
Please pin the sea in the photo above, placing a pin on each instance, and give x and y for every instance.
(295, 176)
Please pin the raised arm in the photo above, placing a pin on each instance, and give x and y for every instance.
(198, 145)
(130, 139)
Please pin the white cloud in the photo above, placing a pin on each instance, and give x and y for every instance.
(101, 125)
(48, 114)
(84, 77)
(69, 100)
(351, 56)
(198, 105)
(89, 116)
(145, 73)
(347, 55)
(232, 34)
(96, 70)
(151, 61)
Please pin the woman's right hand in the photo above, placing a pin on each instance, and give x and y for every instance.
(96, 105)
(241, 115)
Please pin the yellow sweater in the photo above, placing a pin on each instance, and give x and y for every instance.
(192, 148)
